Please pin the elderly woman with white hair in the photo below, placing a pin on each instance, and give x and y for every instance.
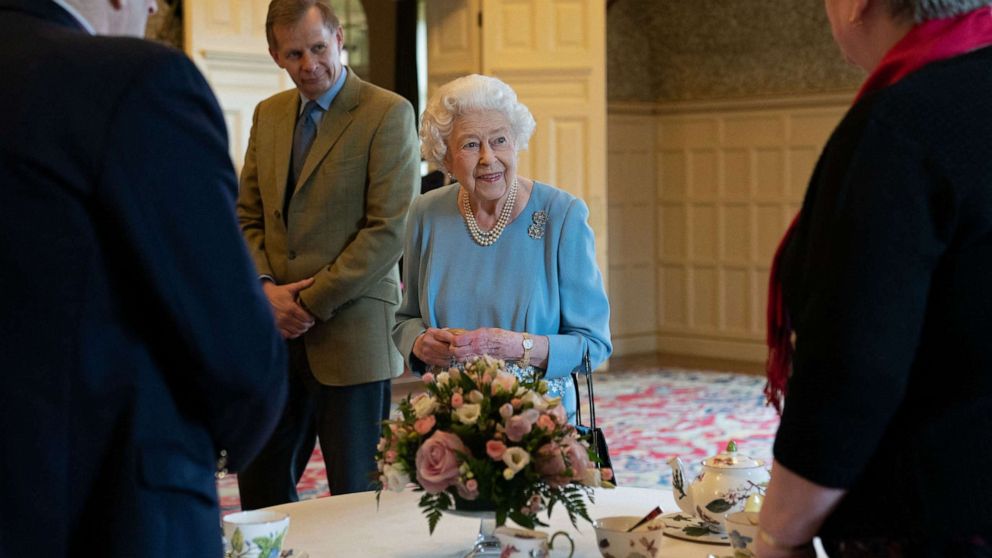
(497, 263)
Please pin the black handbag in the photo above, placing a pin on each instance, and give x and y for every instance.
(592, 433)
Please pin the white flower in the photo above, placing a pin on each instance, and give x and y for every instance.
(592, 477)
(424, 405)
(468, 413)
(475, 396)
(536, 400)
(508, 473)
(442, 378)
(395, 477)
(516, 458)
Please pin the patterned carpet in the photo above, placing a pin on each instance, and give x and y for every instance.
(648, 416)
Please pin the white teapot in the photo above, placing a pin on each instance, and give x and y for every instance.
(722, 487)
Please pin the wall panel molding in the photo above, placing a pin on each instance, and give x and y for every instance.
(717, 183)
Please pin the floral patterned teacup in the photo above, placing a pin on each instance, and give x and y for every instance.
(525, 543)
(254, 534)
(742, 529)
(615, 541)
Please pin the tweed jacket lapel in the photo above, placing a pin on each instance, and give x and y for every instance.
(283, 128)
(334, 123)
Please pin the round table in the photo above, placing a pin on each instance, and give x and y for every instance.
(352, 525)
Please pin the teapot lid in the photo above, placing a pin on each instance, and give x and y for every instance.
(730, 459)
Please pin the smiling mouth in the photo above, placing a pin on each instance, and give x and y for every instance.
(492, 177)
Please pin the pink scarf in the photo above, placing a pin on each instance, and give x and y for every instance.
(927, 42)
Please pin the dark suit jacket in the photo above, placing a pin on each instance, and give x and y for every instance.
(346, 221)
(135, 343)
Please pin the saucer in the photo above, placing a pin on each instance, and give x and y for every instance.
(681, 526)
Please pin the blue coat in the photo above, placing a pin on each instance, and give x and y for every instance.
(542, 279)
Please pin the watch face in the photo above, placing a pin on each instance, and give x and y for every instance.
(528, 343)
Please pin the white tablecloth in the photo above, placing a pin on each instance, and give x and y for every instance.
(351, 526)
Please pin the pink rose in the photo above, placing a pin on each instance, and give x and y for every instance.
(518, 427)
(391, 456)
(428, 378)
(549, 462)
(577, 457)
(437, 461)
(558, 413)
(495, 449)
(516, 402)
(607, 473)
(457, 400)
(424, 425)
(546, 423)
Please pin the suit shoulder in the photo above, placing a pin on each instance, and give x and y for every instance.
(279, 100)
(376, 94)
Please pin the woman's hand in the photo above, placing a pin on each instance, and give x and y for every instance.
(492, 341)
(793, 510)
(433, 347)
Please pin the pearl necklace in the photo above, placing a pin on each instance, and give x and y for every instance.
(487, 238)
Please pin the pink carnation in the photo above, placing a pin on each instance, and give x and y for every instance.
(424, 425)
(437, 461)
(495, 449)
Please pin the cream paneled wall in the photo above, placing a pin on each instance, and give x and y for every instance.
(699, 196)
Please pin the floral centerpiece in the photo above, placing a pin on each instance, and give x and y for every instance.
(482, 439)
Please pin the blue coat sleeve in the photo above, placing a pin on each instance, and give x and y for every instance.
(585, 309)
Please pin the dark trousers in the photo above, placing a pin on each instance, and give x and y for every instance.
(346, 419)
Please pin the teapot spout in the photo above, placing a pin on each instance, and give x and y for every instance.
(683, 496)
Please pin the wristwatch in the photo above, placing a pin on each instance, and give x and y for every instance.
(528, 344)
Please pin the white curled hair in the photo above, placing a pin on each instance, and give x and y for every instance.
(925, 10)
(466, 94)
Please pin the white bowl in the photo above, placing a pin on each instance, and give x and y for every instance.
(614, 541)
(742, 529)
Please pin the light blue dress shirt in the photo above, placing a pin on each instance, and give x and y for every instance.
(542, 279)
